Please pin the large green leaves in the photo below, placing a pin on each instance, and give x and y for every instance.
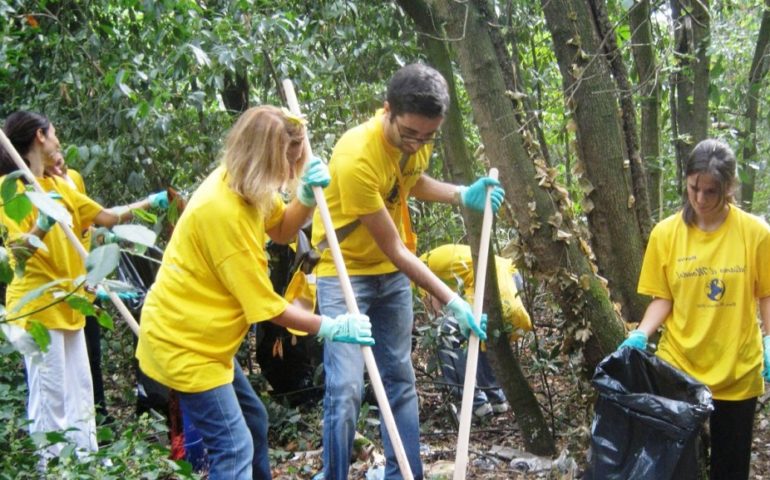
(101, 262)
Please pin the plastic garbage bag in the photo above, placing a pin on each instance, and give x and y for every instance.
(648, 417)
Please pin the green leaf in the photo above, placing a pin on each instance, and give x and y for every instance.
(105, 320)
(135, 234)
(145, 216)
(6, 271)
(40, 334)
(37, 292)
(50, 207)
(18, 208)
(101, 262)
(81, 304)
(10, 186)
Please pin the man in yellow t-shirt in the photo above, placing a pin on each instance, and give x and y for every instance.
(374, 168)
(453, 264)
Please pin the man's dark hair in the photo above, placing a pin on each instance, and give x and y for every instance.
(715, 158)
(20, 128)
(419, 89)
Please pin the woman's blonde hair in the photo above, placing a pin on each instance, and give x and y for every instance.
(255, 154)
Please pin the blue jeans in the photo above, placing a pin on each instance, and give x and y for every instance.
(453, 358)
(387, 299)
(233, 424)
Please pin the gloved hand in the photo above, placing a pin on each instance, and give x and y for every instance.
(461, 310)
(159, 200)
(347, 328)
(475, 196)
(44, 222)
(766, 370)
(101, 294)
(316, 174)
(636, 339)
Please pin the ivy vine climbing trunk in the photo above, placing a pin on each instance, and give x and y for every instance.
(592, 97)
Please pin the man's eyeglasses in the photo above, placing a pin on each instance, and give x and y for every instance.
(406, 138)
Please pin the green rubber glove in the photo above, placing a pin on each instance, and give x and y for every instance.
(101, 294)
(636, 339)
(463, 313)
(159, 200)
(766, 370)
(347, 328)
(475, 196)
(316, 174)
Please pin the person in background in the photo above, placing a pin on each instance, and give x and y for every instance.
(706, 268)
(213, 284)
(374, 168)
(59, 380)
(454, 266)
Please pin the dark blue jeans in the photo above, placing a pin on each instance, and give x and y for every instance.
(233, 424)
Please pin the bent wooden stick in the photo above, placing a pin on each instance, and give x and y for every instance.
(480, 280)
(67, 230)
(350, 301)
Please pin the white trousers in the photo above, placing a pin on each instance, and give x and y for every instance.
(61, 393)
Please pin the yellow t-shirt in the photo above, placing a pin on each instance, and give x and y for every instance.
(213, 283)
(454, 266)
(714, 279)
(61, 261)
(363, 180)
(80, 186)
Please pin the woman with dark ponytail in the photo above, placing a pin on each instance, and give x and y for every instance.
(59, 380)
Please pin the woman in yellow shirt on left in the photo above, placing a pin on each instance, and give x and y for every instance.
(59, 380)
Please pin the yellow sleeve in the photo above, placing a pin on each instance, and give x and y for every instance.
(251, 286)
(358, 182)
(652, 279)
(276, 214)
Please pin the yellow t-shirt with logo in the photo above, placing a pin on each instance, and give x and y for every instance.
(61, 261)
(363, 180)
(454, 266)
(213, 283)
(714, 279)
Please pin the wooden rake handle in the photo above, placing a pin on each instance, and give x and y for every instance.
(350, 301)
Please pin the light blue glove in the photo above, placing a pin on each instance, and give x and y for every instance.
(44, 222)
(101, 294)
(475, 196)
(636, 339)
(347, 328)
(462, 312)
(766, 371)
(316, 174)
(159, 200)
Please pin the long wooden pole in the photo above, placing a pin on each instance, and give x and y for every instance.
(67, 230)
(350, 301)
(480, 280)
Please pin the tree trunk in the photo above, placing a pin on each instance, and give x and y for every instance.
(537, 437)
(649, 91)
(691, 79)
(609, 202)
(548, 244)
(609, 46)
(759, 67)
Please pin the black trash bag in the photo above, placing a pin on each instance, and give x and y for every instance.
(648, 417)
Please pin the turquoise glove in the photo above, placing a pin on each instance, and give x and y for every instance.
(101, 294)
(44, 222)
(347, 328)
(316, 174)
(766, 371)
(159, 200)
(636, 339)
(462, 312)
(475, 196)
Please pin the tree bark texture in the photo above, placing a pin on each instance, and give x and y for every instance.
(537, 437)
(549, 246)
(592, 97)
(642, 49)
(759, 67)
